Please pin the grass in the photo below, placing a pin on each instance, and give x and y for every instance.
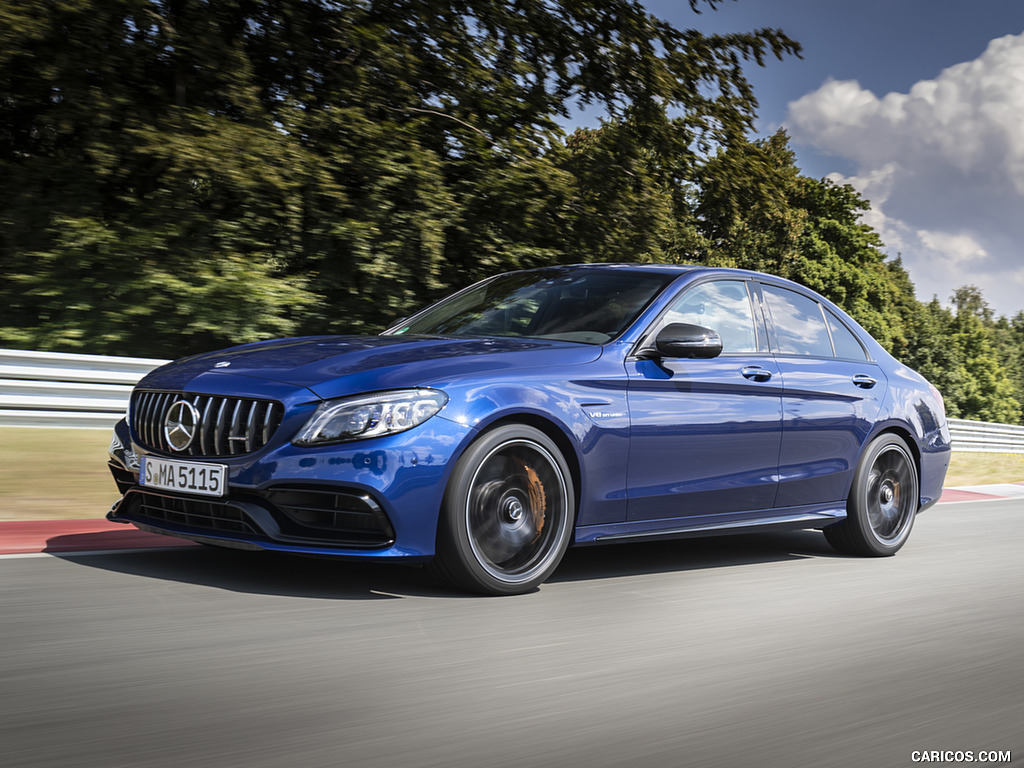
(985, 468)
(54, 474)
(61, 474)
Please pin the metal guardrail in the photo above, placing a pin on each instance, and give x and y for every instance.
(984, 437)
(50, 389)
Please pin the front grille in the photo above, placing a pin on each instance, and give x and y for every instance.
(228, 426)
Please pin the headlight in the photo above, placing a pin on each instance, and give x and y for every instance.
(365, 416)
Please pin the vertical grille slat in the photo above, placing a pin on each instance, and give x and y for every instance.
(144, 416)
(196, 449)
(153, 415)
(137, 412)
(204, 433)
(250, 426)
(268, 430)
(163, 403)
(235, 431)
(149, 436)
(251, 422)
(219, 443)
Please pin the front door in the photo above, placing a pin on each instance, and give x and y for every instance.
(705, 434)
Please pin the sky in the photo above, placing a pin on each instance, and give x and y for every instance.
(919, 104)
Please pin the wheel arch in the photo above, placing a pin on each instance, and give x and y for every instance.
(908, 437)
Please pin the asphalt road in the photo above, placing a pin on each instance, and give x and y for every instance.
(762, 651)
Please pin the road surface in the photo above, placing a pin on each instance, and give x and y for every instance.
(756, 650)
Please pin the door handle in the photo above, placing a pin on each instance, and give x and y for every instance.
(864, 381)
(755, 373)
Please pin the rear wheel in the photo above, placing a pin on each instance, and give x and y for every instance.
(882, 504)
(508, 513)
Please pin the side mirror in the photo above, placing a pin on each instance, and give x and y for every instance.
(685, 340)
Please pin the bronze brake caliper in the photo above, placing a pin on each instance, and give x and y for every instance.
(538, 499)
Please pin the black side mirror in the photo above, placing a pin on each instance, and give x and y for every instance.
(685, 340)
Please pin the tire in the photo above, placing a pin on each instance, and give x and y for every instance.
(507, 515)
(882, 504)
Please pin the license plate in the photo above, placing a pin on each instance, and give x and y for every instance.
(184, 476)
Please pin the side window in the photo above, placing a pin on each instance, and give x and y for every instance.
(724, 307)
(798, 323)
(845, 343)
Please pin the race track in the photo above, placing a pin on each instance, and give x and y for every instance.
(759, 650)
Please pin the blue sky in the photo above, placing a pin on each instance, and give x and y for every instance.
(917, 103)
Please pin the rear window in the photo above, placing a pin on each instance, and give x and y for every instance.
(799, 325)
(846, 344)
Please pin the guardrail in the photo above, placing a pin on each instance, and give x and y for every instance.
(984, 437)
(50, 389)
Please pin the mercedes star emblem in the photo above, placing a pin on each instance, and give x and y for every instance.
(181, 424)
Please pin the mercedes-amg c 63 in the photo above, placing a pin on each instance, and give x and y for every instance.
(538, 410)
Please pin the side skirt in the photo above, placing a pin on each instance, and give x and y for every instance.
(708, 526)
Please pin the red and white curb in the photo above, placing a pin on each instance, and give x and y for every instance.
(55, 537)
(983, 492)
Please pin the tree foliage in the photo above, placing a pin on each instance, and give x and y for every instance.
(196, 173)
(757, 211)
(186, 174)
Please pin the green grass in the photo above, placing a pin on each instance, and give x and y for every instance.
(54, 474)
(985, 468)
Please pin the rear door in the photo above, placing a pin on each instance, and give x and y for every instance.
(832, 393)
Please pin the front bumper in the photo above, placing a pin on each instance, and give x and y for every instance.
(370, 499)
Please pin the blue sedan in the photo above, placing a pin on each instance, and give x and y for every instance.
(536, 410)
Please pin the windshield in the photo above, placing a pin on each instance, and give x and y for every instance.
(584, 305)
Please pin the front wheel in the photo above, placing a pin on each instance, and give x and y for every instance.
(882, 504)
(508, 513)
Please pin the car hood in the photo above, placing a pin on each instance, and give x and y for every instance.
(334, 366)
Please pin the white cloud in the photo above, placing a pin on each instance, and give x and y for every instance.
(943, 167)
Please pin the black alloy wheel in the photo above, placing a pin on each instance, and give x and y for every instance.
(883, 501)
(508, 513)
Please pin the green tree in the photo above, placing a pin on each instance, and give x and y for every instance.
(183, 174)
(1008, 343)
(149, 205)
(629, 199)
(747, 206)
(956, 352)
(987, 393)
(757, 211)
